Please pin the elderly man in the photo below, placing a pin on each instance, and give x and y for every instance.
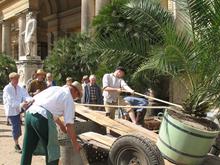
(14, 98)
(92, 93)
(50, 82)
(113, 84)
(40, 123)
(37, 85)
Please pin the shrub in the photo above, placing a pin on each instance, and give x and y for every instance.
(7, 65)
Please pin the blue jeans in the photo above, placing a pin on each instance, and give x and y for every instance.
(16, 126)
(137, 101)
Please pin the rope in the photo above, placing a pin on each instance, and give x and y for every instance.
(162, 101)
(130, 106)
(123, 106)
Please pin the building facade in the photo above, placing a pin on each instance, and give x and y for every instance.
(54, 19)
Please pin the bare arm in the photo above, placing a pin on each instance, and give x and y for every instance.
(112, 89)
(71, 133)
(69, 129)
(61, 125)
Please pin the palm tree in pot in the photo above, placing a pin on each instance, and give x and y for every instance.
(190, 53)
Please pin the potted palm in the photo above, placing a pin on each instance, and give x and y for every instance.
(190, 53)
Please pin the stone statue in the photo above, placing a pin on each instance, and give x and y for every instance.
(30, 35)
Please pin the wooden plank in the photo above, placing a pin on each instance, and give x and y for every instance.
(167, 162)
(98, 139)
(118, 126)
(103, 120)
(139, 130)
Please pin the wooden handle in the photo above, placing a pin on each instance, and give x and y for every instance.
(162, 101)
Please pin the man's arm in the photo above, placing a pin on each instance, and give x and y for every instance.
(61, 125)
(71, 133)
(106, 84)
(125, 86)
(69, 129)
(112, 89)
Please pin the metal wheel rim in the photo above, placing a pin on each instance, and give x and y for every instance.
(131, 156)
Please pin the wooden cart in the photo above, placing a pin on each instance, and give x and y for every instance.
(130, 139)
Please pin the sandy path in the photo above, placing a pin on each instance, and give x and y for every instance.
(8, 156)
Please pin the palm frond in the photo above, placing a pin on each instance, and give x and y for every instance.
(121, 47)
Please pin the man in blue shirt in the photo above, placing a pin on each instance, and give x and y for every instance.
(139, 112)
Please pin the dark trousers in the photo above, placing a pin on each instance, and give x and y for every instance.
(36, 128)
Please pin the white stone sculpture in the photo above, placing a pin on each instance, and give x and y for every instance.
(30, 35)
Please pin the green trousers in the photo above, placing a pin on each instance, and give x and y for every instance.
(36, 128)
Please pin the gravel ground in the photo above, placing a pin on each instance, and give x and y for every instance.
(8, 156)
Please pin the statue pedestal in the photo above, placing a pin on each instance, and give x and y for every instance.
(33, 58)
(26, 66)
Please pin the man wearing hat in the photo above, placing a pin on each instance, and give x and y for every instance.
(15, 98)
(40, 123)
(113, 84)
(78, 91)
(37, 85)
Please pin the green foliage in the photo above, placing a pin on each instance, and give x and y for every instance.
(67, 59)
(7, 65)
(141, 32)
(192, 51)
(125, 34)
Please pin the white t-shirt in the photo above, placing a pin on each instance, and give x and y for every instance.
(57, 100)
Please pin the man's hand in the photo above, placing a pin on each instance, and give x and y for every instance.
(36, 92)
(24, 105)
(71, 133)
(132, 92)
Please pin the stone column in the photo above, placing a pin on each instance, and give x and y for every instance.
(99, 4)
(50, 41)
(1, 37)
(21, 27)
(87, 13)
(6, 37)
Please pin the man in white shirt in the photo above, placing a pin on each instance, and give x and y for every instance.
(57, 101)
(113, 84)
(14, 98)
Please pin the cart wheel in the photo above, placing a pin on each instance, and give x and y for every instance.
(134, 150)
